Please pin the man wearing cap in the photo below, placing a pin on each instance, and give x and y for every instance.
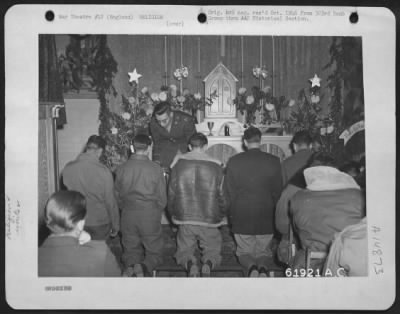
(94, 180)
(141, 192)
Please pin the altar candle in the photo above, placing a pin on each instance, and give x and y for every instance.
(261, 78)
(241, 46)
(198, 53)
(273, 66)
(181, 81)
(198, 63)
(261, 61)
(181, 51)
(165, 60)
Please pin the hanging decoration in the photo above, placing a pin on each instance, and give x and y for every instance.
(181, 73)
(165, 62)
(260, 72)
(134, 76)
(315, 81)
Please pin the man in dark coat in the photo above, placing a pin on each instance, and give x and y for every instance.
(197, 204)
(253, 184)
(302, 143)
(170, 131)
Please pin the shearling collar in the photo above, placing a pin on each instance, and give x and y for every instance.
(323, 178)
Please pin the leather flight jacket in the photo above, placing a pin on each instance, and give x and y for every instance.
(196, 194)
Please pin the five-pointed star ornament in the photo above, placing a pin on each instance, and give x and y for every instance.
(315, 81)
(134, 76)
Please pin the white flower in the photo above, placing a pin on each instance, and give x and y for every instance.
(162, 96)
(186, 92)
(266, 89)
(315, 99)
(173, 87)
(126, 115)
(131, 100)
(256, 72)
(154, 97)
(249, 100)
(178, 74)
(197, 96)
(184, 71)
(292, 102)
(264, 74)
(114, 130)
(145, 90)
(323, 131)
(269, 107)
(181, 99)
(242, 90)
(329, 129)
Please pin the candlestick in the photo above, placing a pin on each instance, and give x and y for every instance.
(181, 81)
(241, 45)
(273, 66)
(198, 54)
(165, 61)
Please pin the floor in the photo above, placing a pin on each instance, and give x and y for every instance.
(229, 266)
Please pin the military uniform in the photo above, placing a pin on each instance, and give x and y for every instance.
(167, 144)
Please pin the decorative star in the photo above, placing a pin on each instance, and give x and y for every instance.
(315, 81)
(134, 76)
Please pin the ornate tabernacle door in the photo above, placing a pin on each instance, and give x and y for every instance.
(221, 83)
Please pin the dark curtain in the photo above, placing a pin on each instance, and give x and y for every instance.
(297, 59)
(290, 61)
(50, 89)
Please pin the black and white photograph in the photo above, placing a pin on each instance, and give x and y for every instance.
(225, 160)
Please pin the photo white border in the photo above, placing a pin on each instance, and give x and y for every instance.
(23, 24)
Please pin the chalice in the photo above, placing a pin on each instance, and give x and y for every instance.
(210, 126)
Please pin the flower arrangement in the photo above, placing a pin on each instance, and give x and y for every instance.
(260, 73)
(305, 113)
(249, 103)
(181, 73)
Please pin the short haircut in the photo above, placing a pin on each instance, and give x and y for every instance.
(141, 142)
(322, 159)
(252, 135)
(350, 166)
(302, 138)
(161, 108)
(95, 142)
(198, 140)
(64, 209)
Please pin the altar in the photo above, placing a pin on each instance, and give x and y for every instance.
(223, 147)
(222, 126)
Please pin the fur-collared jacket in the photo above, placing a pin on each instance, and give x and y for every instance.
(195, 193)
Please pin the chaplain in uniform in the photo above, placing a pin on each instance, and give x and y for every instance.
(170, 131)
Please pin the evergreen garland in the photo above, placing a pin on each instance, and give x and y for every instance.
(104, 70)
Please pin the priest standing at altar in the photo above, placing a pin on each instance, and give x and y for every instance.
(170, 131)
